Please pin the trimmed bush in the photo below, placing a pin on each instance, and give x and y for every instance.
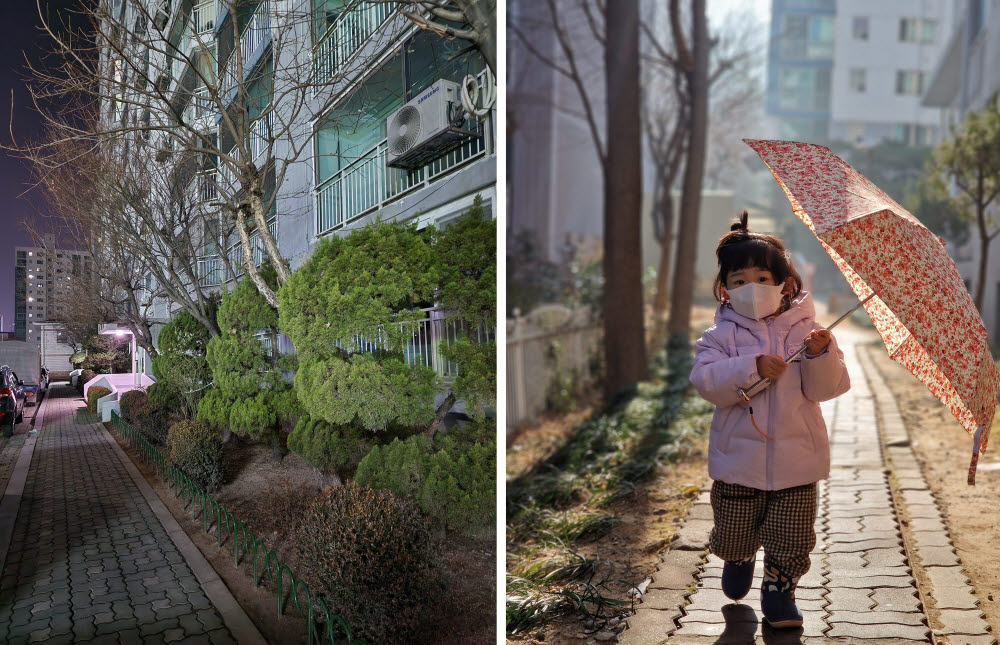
(129, 402)
(196, 449)
(328, 447)
(152, 420)
(453, 481)
(164, 395)
(370, 554)
(93, 394)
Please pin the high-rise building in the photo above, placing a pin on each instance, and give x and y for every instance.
(855, 70)
(800, 68)
(42, 277)
(884, 58)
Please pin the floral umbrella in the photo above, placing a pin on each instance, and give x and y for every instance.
(921, 307)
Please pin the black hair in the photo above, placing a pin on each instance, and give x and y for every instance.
(741, 249)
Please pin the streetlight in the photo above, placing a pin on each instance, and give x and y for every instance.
(119, 332)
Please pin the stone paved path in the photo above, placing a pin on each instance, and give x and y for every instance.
(89, 561)
(860, 588)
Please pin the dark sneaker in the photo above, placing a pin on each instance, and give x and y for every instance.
(737, 577)
(777, 598)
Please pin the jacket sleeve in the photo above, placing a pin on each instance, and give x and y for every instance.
(717, 375)
(824, 376)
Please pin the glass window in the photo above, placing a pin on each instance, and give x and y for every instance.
(860, 28)
(857, 80)
(809, 37)
(804, 88)
(357, 125)
(430, 58)
(910, 82)
(325, 13)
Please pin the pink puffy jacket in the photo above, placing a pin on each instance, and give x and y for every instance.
(786, 409)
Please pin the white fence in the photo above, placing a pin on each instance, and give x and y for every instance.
(552, 353)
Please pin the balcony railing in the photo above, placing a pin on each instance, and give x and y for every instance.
(257, 247)
(368, 184)
(210, 270)
(345, 37)
(204, 15)
(208, 190)
(261, 134)
(253, 36)
(423, 339)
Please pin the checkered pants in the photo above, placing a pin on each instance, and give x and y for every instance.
(782, 521)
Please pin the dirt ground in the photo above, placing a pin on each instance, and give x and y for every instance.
(943, 449)
(647, 522)
(270, 495)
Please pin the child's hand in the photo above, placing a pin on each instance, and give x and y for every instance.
(817, 341)
(770, 366)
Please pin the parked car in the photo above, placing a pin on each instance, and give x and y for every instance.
(25, 360)
(11, 400)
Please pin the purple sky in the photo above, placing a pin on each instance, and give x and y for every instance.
(19, 36)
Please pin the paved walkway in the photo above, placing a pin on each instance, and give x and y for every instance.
(89, 560)
(861, 587)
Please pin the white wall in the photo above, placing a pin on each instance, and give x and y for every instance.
(881, 56)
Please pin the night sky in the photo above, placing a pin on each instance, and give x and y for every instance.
(19, 37)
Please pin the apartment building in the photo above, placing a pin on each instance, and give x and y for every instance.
(964, 81)
(43, 276)
(884, 56)
(855, 71)
(336, 155)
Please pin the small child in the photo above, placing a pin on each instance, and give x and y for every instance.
(765, 457)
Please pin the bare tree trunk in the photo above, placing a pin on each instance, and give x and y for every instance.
(248, 263)
(664, 205)
(624, 334)
(482, 16)
(687, 234)
(984, 251)
(442, 411)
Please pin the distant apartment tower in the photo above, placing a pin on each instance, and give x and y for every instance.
(42, 276)
(855, 70)
(884, 57)
(800, 68)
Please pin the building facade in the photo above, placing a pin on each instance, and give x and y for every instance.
(42, 279)
(327, 155)
(964, 81)
(855, 71)
(884, 56)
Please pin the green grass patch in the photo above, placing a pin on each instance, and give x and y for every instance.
(564, 499)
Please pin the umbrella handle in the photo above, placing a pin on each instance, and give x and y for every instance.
(745, 394)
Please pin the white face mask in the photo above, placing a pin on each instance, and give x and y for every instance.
(755, 300)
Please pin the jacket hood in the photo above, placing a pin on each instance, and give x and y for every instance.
(802, 307)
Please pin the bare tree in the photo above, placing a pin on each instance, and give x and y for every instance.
(162, 80)
(733, 91)
(693, 61)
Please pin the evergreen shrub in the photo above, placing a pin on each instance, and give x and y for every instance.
(370, 554)
(334, 448)
(453, 481)
(152, 420)
(196, 449)
(129, 402)
(93, 394)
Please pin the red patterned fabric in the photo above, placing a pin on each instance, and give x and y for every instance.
(921, 307)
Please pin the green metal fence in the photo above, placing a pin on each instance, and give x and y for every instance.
(244, 543)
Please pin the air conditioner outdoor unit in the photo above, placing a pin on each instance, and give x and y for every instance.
(428, 126)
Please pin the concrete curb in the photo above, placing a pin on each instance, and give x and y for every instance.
(15, 485)
(928, 542)
(236, 619)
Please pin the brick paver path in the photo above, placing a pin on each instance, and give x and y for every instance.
(89, 561)
(860, 587)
